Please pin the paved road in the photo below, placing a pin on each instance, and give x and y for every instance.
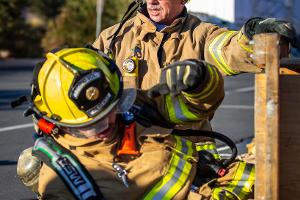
(234, 118)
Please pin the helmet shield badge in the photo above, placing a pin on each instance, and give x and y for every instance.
(91, 92)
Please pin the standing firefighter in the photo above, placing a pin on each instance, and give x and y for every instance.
(89, 151)
(162, 32)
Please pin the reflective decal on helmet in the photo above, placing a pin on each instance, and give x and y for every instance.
(100, 106)
(83, 82)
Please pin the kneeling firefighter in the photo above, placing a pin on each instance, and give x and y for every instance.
(86, 149)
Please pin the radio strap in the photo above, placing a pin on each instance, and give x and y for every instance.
(78, 180)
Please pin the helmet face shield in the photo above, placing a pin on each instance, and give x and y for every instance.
(127, 100)
(88, 131)
(101, 129)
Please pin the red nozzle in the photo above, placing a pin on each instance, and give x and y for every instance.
(47, 127)
(222, 172)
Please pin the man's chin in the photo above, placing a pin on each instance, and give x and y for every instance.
(156, 18)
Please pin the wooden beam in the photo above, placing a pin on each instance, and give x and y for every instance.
(277, 121)
(267, 55)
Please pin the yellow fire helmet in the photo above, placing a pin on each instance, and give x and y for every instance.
(76, 87)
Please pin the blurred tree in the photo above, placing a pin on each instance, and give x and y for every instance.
(113, 12)
(30, 27)
(76, 24)
(46, 8)
(17, 37)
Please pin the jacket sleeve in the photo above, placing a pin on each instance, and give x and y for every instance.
(228, 50)
(191, 107)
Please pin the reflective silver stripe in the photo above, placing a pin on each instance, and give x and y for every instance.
(213, 152)
(182, 112)
(160, 195)
(210, 148)
(178, 112)
(240, 185)
(215, 50)
(177, 174)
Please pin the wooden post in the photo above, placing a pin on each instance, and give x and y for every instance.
(266, 48)
(276, 159)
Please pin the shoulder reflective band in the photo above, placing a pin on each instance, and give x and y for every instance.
(209, 147)
(69, 169)
(240, 186)
(177, 174)
(215, 49)
(178, 110)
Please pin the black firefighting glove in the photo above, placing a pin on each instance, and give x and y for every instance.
(271, 25)
(180, 76)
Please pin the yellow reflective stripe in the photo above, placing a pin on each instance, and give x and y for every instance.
(214, 154)
(183, 177)
(215, 194)
(177, 174)
(168, 78)
(211, 148)
(174, 162)
(250, 182)
(242, 182)
(178, 110)
(235, 183)
(209, 89)
(185, 111)
(243, 39)
(172, 168)
(221, 194)
(243, 174)
(215, 49)
(171, 110)
(201, 147)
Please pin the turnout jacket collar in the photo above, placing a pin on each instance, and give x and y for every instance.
(142, 20)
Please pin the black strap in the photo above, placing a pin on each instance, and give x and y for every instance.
(35, 90)
(19, 101)
(75, 176)
(132, 8)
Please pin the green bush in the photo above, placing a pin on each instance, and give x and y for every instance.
(76, 24)
(16, 36)
(61, 23)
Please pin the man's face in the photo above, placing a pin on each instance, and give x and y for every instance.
(164, 11)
